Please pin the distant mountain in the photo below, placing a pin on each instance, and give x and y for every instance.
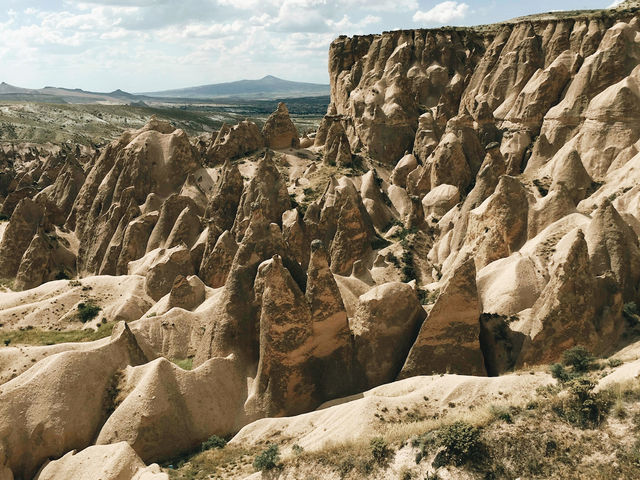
(266, 88)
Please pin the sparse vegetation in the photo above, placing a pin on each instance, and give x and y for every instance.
(460, 442)
(184, 363)
(87, 311)
(379, 450)
(34, 336)
(267, 459)
(579, 358)
(214, 441)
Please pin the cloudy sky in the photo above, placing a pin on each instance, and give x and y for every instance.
(145, 45)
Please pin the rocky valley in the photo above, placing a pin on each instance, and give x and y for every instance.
(441, 281)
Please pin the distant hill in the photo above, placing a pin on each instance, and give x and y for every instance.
(266, 88)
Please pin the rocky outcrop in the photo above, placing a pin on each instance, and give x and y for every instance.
(225, 198)
(107, 462)
(79, 381)
(160, 400)
(162, 274)
(337, 150)
(156, 158)
(233, 142)
(282, 386)
(498, 227)
(279, 131)
(135, 239)
(332, 351)
(613, 247)
(46, 259)
(404, 167)
(449, 339)
(268, 189)
(186, 293)
(216, 264)
(178, 223)
(563, 316)
(383, 81)
(384, 327)
(18, 235)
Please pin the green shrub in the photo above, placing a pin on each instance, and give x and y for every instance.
(579, 358)
(267, 459)
(559, 372)
(630, 313)
(501, 413)
(584, 408)
(87, 311)
(461, 443)
(213, 441)
(297, 449)
(614, 362)
(379, 449)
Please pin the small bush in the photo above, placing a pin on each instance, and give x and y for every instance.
(87, 311)
(579, 358)
(213, 441)
(379, 449)
(267, 459)
(297, 449)
(559, 372)
(614, 362)
(501, 413)
(461, 442)
(585, 408)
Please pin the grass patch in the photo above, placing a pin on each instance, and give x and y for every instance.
(213, 463)
(34, 336)
(184, 363)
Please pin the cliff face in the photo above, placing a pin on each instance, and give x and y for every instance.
(524, 78)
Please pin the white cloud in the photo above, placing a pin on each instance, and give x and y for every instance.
(442, 13)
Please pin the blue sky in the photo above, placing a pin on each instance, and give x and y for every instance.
(144, 45)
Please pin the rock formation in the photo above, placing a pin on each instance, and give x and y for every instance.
(233, 142)
(279, 131)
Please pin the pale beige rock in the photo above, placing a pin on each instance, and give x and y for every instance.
(332, 354)
(426, 139)
(613, 246)
(268, 189)
(404, 167)
(225, 198)
(386, 321)
(163, 272)
(18, 235)
(509, 285)
(563, 315)
(279, 131)
(186, 292)
(498, 227)
(449, 339)
(106, 462)
(450, 164)
(440, 200)
(216, 265)
(282, 386)
(337, 150)
(159, 400)
(79, 382)
(233, 142)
